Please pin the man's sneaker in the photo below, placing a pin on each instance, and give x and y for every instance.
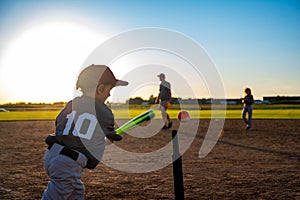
(248, 129)
(164, 128)
(170, 124)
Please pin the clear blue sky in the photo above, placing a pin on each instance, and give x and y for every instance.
(253, 43)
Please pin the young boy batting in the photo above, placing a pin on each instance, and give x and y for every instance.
(79, 139)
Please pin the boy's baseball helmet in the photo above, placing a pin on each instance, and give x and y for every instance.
(93, 75)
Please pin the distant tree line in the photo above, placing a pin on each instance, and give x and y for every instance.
(266, 100)
(151, 100)
(282, 99)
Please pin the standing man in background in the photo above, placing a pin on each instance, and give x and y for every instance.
(165, 99)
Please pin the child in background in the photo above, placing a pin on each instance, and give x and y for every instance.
(248, 101)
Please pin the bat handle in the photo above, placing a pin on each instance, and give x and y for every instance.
(113, 136)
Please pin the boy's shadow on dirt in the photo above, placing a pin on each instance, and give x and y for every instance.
(280, 153)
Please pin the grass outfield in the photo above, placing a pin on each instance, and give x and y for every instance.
(124, 114)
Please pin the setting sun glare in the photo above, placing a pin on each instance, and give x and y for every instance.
(42, 63)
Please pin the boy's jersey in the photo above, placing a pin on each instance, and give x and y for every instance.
(165, 91)
(82, 125)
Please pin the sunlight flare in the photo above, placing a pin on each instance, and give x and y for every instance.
(42, 63)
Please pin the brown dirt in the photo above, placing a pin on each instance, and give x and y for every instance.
(262, 164)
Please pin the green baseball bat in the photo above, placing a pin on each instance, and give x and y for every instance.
(138, 120)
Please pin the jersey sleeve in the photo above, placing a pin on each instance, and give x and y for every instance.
(105, 118)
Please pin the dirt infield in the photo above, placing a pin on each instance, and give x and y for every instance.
(261, 164)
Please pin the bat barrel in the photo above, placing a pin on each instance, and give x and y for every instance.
(144, 117)
(138, 120)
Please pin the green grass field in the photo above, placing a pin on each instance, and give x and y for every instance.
(126, 114)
